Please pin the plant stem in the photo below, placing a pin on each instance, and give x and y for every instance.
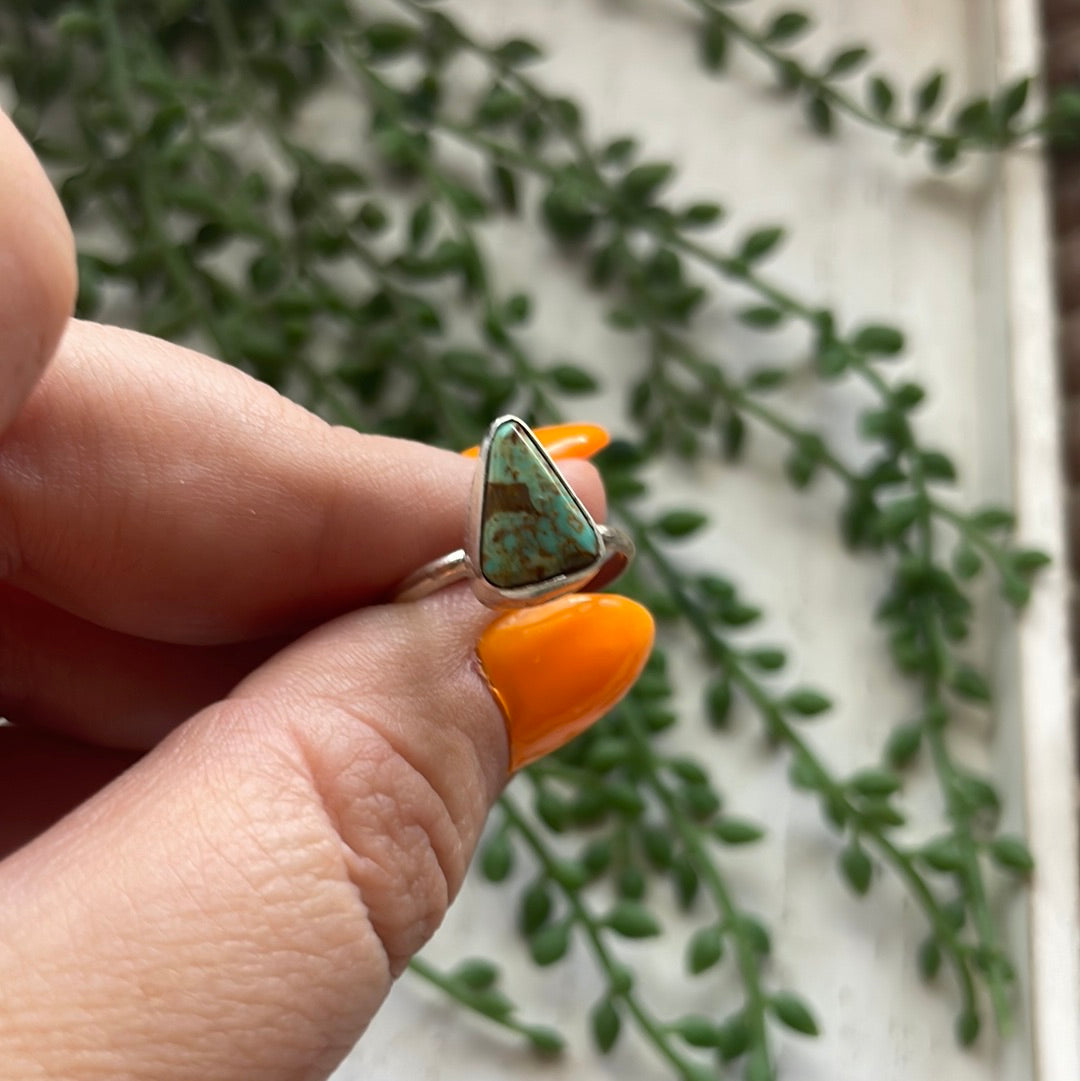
(647, 1022)
(693, 842)
(777, 725)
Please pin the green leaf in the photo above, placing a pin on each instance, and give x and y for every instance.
(567, 113)
(974, 794)
(937, 466)
(718, 700)
(1013, 98)
(882, 97)
(878, 340)
(820, 115)
(765, 379)
(908, 396)
(677, 524)
(1012, 853)
(467, 365)
(516, 52)
(658, 847)
(420, 223)
(975, 119)
(1015, 590)
(643, 182)
(605, 1024)
(505, 183)
(491, 1002)
(929, 959)
(632, 920)
(573, 380)
(763, 316)
(388, 39)
(756, 933)
(807, 454)
(792, 1011)
(631, 884)
(761, 243)
(966, 562)
(545, 1040)
(705, 949)
(500, 105)
(767, 658)
(567, 212)
(517, 309)
(619, 151)
(550, 943)
(733, 1037)
(786, 27)
(697, 1030)
(875, 782)
(699, 215)
(806, 702)
(1027, 561)
(856, 867)
(943, 854)
(903, 744)
(476, 973)
(713, 45)
(967, 1027)
(733, 436)
(970, 684)
(945, 151)
(77, 24)
(899, 516)
(535, 907)
(992, 519)
(737, 831)
(497, 858)
(928, 94)
(737, 614)
(846, 62)
(551, 810)
(265, 272)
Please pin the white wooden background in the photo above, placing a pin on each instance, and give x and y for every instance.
(961, 263)
(876, 236)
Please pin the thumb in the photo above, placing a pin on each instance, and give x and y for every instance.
(238, 904)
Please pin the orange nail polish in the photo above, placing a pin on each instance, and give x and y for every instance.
(566, 440)
(557, 668)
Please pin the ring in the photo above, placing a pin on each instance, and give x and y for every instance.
(528, 536)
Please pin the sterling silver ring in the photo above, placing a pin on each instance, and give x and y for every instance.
(528, 536)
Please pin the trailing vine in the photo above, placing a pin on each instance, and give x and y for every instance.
(977, 124)
(363, 286)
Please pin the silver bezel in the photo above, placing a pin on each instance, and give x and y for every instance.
(521, 596)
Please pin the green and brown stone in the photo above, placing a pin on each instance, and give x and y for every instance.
(532, 527)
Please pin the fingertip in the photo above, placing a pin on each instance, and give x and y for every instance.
(37, 267)
(556, 669)
(564, 441)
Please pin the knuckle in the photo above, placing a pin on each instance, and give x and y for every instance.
(402, 849)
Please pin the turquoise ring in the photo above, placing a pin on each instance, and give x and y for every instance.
(528, 536)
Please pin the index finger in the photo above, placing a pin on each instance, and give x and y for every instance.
(157, 492)
(37, 270)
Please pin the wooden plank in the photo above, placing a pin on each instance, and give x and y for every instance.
(1047, 702)
(961, 263)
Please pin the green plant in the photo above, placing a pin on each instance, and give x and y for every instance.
(240, 246)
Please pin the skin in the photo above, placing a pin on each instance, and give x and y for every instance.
(238, 792)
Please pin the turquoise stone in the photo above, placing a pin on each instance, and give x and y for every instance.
(532, 528)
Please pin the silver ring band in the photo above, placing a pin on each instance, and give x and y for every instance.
(529, 538)
(455, 567)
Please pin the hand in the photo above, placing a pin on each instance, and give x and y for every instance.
(271, 784)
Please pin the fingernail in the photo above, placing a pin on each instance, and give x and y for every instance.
(557, 668)
(566, 440)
